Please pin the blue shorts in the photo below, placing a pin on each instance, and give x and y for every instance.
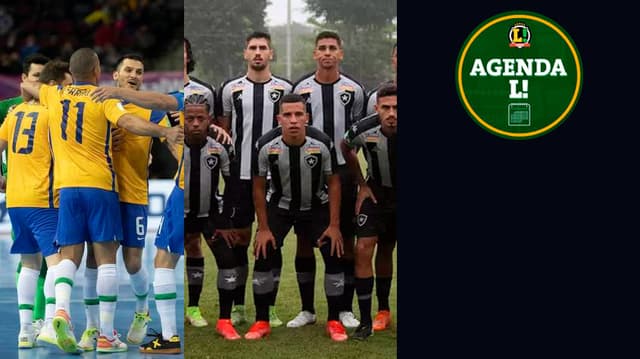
(170, 235)
(34, 230)
(134, 224)
(88, 215)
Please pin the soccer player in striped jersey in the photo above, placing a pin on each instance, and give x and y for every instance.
(334, 102)
(130, 158)
(204, 161)
(249, 106)
(305, 195)
(377, 135)
(384, 250)
(193, 238)
(32, 66)
(33, 203)
(80, 131)
(373, 95)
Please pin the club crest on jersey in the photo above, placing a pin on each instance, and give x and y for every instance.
(211, 161)
(311, 161)
(362, 219)
(274, 95)
(345, 97)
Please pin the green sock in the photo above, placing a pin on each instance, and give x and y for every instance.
(39, 300)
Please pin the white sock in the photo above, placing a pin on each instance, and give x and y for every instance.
(107, 290)
(91, 302)
(164, 287)
(140, 286)
(26, 288)
(65, 273)
(50, 293)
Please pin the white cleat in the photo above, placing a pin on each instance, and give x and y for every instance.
(303, 318)
(348, 320)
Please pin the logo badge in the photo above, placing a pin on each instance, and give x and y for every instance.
(311, 161)
(345, 97)
(211, 162)
(519, 75)
(362, 219)
(274, 95)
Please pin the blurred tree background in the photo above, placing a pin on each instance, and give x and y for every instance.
(217, 30)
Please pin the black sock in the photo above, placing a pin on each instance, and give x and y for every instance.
(243, 269)
(349, 285)
(364, 288)
(226, 301)
(195, 275)
(276, 268)
(306, 274)
(383, 288)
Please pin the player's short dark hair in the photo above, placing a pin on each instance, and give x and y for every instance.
(82, 63)
(197, 99)
(329, 35)
(54, 70)
(191, 62)
(132, 56)
(387, 90)
(292, 98)
(36, 58)
(259, 35)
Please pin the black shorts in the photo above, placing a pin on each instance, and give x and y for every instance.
(348, 193)
(194, 224)
(238, 202)
(378, 219)
(306, 224)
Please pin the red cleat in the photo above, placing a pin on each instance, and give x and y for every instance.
(336, 331)
(226, 329)
(258, 330)
(382, 320)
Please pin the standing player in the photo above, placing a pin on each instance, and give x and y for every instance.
(130, 158)
(31, 68)
(249, 106)
(384, 250)
(80, 131)
(301, 162)
(193, 243)
(204, 160)
(32, 202)
(334, 102)
(376, 203)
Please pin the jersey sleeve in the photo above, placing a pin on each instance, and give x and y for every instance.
(224, 163)
(113, 110)
(263, 161)
(329, 160)
(226, 101)
(4, 130)
(352, 139)
(159, 118)
(179, 96)
(49, 94)
(371, 101)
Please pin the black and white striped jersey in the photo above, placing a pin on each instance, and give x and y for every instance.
(252, 108)
(202, 168)
(332, 107)
(297, 173)
(200, 87)
(379, 150)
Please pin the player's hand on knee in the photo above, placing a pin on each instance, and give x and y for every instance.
(363, 193)
(263, 239)
(335, 239)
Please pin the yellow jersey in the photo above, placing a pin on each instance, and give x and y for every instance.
(26, 131)
(80, 132)
(132, 159)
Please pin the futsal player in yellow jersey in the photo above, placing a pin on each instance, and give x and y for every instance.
(80, 131)
(131, 159)
(32, 203)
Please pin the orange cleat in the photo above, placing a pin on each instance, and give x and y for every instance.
(226, 329)
(258, 330)
(382, 320)
(336, 331)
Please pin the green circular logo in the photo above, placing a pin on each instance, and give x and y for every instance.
(519, 75)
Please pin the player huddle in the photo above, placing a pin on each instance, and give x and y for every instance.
(77, 159)
(291, 162)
